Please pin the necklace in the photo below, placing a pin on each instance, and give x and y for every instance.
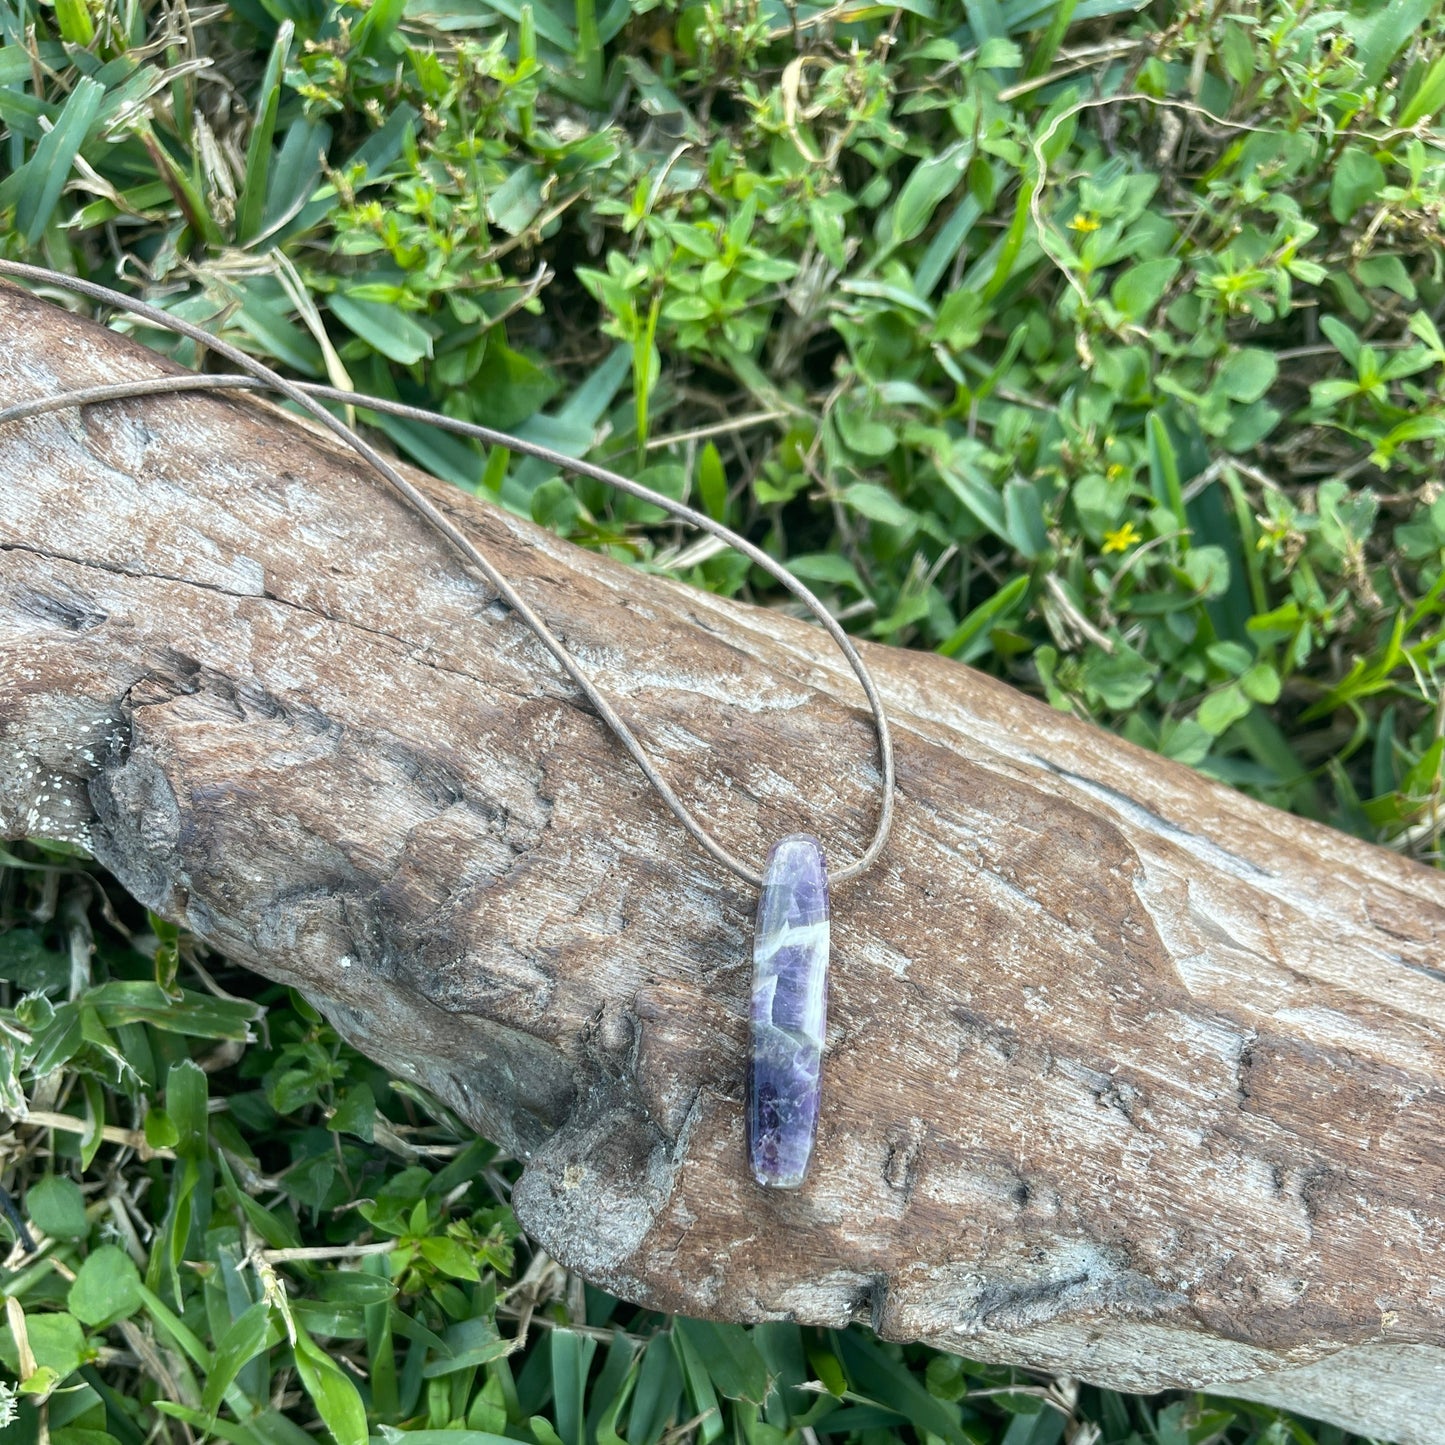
(788, 1010)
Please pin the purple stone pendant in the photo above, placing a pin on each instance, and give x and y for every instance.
(789, 1012)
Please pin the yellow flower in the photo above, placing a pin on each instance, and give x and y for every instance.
(1121, 538)
(1081, 222)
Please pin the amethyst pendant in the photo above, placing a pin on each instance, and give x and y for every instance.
(789, 1012)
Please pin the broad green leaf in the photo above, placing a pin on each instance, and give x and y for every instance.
(829, 231)
(827, 1367)
(999, 53)
(1423, 326)
(1233, 657)
(870, 500)
(894, 293)
(1346, 342)
(1139, 290)
(516, 388)
(106, 1287)
(1327, 393)
(264, 315)
(44, 1379)
(1119, 679)
(1207, 570)
(555, 506)
(225, 1430)
(1186, 742)
(355, 1114)
(911, 608)
(1048, 43)
(514, 204)
(544, 1432)
(56, 1341)
(1357, 180)
(296, 199)
(867, 435)
(57, 1207)
(1247, 374)
(946, 242)
(1024, 518)
(1386, 271)
(373, 33)
(160, 1132)
(976, 494)
(449, 1257)
(1100, 504)
(1010, 248)
(335, 1321)
(830, 567)
(987, 20)
(393, 332)
(1415, 428)
(27, 963)
(186, 1091)
(93, 1137)
(1222, 709)
(612, 1389)
(59, 1040)
(1261, 683)
(166, 958)
(1041, 1424)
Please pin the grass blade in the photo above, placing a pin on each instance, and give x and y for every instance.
(983, 615)
(258, 152)
(49, 167)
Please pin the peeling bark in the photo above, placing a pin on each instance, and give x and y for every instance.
(1128, 1077)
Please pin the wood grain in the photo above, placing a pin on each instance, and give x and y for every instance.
(1128, 1077)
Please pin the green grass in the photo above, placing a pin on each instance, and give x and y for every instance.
(1095, 345)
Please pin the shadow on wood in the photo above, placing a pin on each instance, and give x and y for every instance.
(1128, 1077)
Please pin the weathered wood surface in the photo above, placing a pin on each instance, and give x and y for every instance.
(1128, 1077)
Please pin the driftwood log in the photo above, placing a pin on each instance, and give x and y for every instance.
(1128, 1077)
